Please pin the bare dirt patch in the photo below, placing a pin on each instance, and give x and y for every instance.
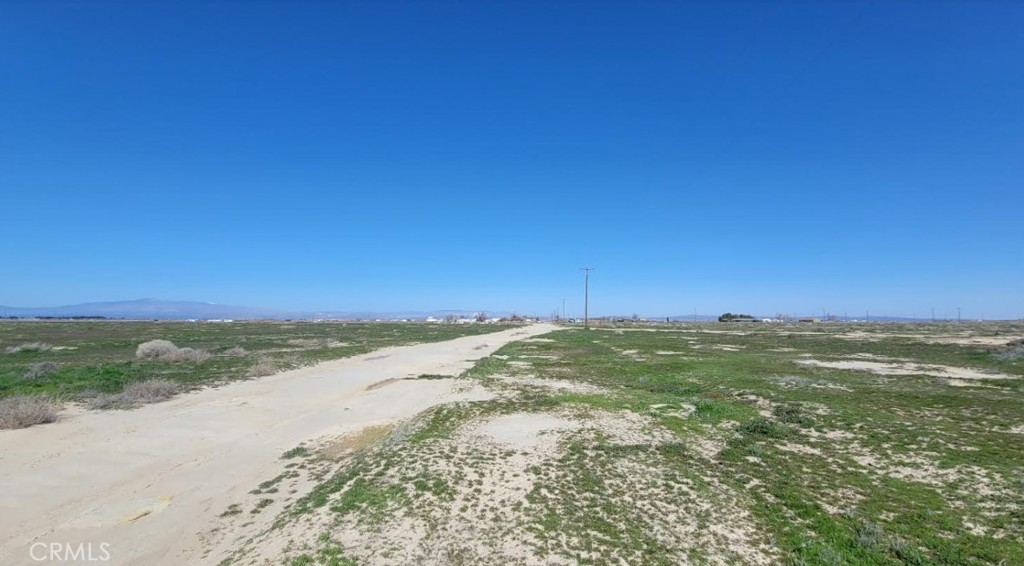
(907, 368)
(556, 384)
(525, 431)
(723, 347)
(632, 355)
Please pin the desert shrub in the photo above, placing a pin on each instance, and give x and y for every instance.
(1011, 352)
(29, 347)
(165, 350)
(155, 349)
(40, 370)
(762, 427)
(794, 414)
(151, 390)
(262, 367)
(908, 554)
(187, 355)
(237, 352)
(135, 394)
(20, 411)
(101, 401)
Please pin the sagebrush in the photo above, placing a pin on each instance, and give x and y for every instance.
(166, 351)
(20, 411)
(136, 394)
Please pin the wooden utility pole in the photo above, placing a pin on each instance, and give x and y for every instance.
(586, 296)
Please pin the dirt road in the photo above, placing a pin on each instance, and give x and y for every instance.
(143, 486)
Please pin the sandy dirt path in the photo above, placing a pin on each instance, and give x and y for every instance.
(148, 482)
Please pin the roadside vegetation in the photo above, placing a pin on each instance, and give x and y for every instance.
(690, 444)
(20, 411)
(124, 364)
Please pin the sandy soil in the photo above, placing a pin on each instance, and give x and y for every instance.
(958, 338)
(884, 368)
(151, 481)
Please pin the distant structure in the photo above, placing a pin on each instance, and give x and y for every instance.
(730, 317)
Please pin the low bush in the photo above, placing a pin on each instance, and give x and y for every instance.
(41, 370)
(1012, 352)
(263, 367)
(762, 427)
(155, 349)
(166, 351)
(794, 414)
(136, 394)
(20, 411)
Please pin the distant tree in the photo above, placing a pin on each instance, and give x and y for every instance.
(481, 317)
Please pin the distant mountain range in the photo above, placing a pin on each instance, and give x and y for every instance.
(143, 308)
(183, 310)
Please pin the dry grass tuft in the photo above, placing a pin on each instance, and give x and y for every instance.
(166, 351)
(263, 367)
(236, 352)
(343, 446)
(188, 355)
(136, 394)
(29, 347)
(20, 411)
(41, 370)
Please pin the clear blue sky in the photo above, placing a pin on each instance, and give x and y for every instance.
(758, 157)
